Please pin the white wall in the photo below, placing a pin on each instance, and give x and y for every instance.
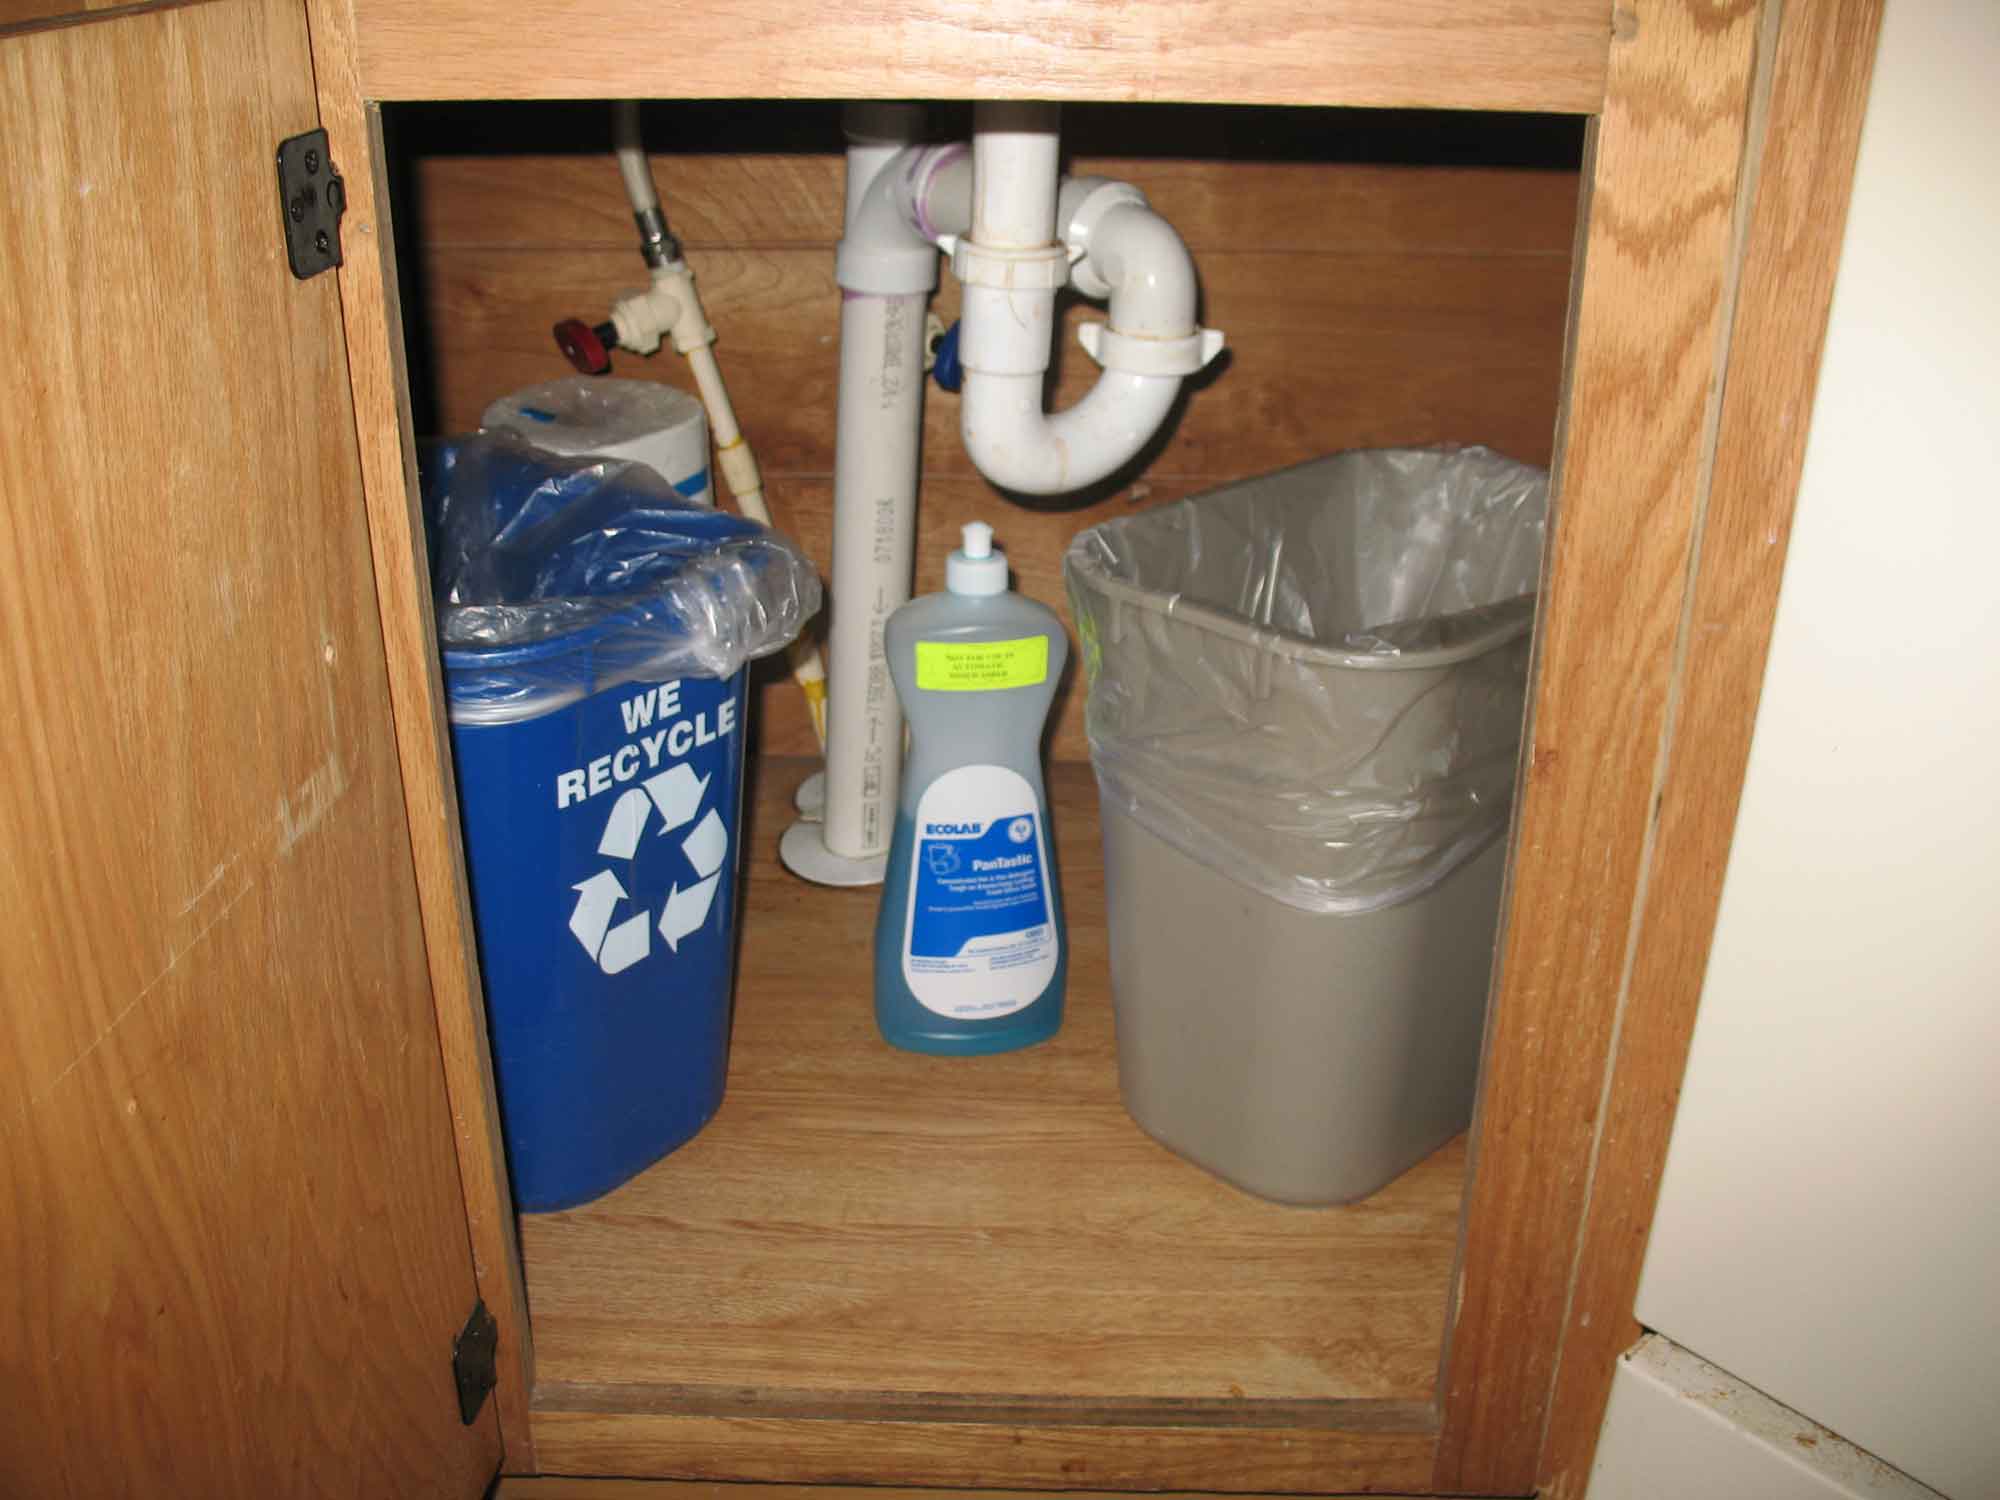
(1829, 1225)
(1678, 1428)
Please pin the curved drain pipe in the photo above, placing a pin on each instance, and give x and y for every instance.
(1016, 236)
(1018, 256)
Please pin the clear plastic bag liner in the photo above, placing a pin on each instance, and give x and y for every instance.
(555, 578)
(1314, 681)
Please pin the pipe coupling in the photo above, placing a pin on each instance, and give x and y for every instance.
(1136, 354)
(1045, 269)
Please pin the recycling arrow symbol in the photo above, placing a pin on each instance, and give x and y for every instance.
(677, 794)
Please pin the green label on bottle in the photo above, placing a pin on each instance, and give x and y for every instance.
(979, 666)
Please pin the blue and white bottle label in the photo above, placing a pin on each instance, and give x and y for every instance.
(981, 925)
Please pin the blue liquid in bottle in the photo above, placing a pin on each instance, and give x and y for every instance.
(970, 949)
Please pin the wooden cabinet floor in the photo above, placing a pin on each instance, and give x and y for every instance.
(863, 1233)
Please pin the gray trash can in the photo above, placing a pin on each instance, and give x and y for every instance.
(1305, 704)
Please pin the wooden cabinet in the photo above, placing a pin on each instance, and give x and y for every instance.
(231, 1225)
(867, 1274)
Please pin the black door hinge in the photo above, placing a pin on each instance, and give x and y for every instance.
(312, 198)
(472, 1361)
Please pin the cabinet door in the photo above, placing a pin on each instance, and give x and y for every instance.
(232, 1241)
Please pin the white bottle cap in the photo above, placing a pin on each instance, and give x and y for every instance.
(976, 568)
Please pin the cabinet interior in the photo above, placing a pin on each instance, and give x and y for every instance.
(863, 1233)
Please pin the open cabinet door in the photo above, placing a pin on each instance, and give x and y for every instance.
(232, 1242)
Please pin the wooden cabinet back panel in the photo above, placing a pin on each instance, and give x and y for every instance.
(1383, 279)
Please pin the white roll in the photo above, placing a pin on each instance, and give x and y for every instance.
(591, 416)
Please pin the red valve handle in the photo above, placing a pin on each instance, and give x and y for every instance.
(582, 346)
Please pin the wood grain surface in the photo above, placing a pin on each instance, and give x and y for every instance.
(1213, 1460)
(1367, 302)
(1805, 169)
(371, 309)
(21, 15)
(769, 175)
(1544, 55)
(230, 1223)
(516, 1487)
(1650, 329)
(990, 1245)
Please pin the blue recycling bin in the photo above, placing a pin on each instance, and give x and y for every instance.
(601, 845)
(600, 774)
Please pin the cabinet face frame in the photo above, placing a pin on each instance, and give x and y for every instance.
(1683, 255)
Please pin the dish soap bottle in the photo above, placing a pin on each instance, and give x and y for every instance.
(970, 951)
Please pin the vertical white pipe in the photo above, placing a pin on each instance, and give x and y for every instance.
(1015, 151)
(877, 429)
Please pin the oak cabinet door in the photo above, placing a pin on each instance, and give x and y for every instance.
(232, 1242)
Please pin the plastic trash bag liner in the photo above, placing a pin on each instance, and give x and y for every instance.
(1314, 681)
(556, 578)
